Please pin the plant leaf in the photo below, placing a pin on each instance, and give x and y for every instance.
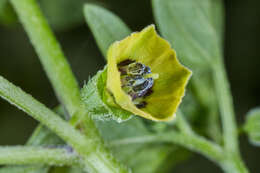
(252, 126)
(137, 155)
(63, 14)
(190, 27)
(134, 155)
(105, 26)
(7, 14)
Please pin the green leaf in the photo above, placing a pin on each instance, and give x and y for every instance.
(112, 131)
(7, 14)
(63, 14)
(191, 27)
(3, 3)
(138, 155)
(132, 128)
(252, 126)
(195, 29)
(215, 10)
(105, 26)
(94, 96)
(155, 158)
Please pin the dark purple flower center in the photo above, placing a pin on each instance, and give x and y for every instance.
(135, 81)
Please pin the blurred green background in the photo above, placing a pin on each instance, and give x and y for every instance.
(19, 63)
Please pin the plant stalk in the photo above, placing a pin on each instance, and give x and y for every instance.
(233, 161)
(86, 147)
(198, 144)
(233, 164)
(20, 155)
(226, 106)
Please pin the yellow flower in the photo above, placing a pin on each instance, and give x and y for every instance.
(144, 76)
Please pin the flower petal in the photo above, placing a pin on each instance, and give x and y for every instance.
(148, 48)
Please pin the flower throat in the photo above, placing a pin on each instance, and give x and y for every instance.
(137, 81)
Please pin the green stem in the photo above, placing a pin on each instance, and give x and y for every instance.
(37, 155)
(49, 52)
(87, 148)
(229, 163)
(232, 161)
(190, 141)
(41, 136)
(226, 107)
(233, 164)
(182, 123)
(198, 144)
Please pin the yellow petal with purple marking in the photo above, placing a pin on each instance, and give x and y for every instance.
(148, 48)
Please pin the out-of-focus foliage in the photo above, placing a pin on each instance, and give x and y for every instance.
(63, 14)
(7, 15)
(252, 126)
(105, 26)
(24, 169)
(193, 29)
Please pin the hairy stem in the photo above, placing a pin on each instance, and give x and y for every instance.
(198, 144)
(226, 107)
(182, 123)
(190, 141)
(233, 164)
(50, 53)
(94, 158)
(233, 161)
(37, 155)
